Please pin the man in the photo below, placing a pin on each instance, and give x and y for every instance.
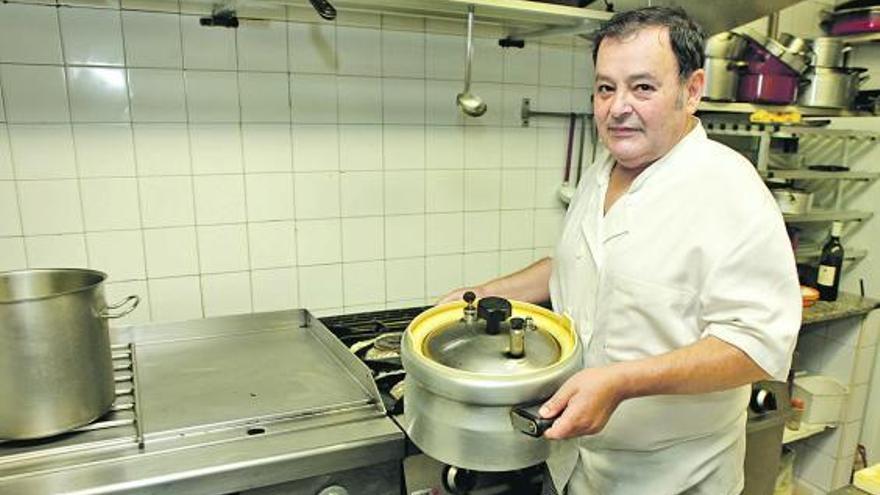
(675, 267)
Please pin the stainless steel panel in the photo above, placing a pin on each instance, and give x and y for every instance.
(240, 378)
(221, 466)
(382, 479)
(716, 15)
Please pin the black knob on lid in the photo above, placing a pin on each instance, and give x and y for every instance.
(494, 310)
(469, 297)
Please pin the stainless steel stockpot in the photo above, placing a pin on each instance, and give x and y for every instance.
(830, 87)
(830, 52)
(728, 45)
(722, 78)
(56, 371)
(472, 374)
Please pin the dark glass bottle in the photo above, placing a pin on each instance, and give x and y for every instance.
(830, 265)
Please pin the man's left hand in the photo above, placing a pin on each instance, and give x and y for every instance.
(585, 401)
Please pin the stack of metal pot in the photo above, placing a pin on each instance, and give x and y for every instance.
(775, 68)
(830, 82)
(724, 53)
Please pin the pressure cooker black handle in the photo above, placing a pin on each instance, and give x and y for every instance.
(527, 420)
(494, 310)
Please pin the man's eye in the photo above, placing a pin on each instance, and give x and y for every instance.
(605, 89)
(644, 87)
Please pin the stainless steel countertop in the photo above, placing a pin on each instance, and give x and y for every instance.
(225, 404)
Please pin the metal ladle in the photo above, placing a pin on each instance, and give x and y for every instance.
(469, 103)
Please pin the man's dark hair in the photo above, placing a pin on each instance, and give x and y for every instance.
(686, 36)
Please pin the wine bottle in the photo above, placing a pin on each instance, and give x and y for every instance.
(830, 264)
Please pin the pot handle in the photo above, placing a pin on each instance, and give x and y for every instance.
(134, 300)
(526, 419)
(737, 65)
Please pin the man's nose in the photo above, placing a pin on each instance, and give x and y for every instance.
(620, 104)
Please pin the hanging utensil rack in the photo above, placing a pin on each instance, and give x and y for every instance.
(527, 113)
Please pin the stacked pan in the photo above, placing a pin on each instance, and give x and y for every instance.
(830, 82)
(724, 54)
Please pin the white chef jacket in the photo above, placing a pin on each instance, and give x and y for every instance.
(696, 247)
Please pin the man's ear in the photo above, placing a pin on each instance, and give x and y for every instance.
(694, 87)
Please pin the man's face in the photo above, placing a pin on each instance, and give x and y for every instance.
(641, 106)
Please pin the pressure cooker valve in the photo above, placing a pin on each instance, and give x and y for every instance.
(494, 310)
(470, 312)
(517, 347)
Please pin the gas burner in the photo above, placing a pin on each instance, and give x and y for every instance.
(388, 343)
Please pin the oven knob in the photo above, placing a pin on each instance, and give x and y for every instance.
(333, 490)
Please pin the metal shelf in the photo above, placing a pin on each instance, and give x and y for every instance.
(806, 430)
(859, 38)
(827, 216)
(508, 12)
(738, 107)
(783, 131)
(819, 175)
(811, 253)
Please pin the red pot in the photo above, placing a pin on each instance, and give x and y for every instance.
(768, 88)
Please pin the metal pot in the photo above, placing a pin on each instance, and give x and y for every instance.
(830, 52)
(56, 372)
(725, 45)
(722, 78)
(768, 88)
(830, 87)
(476, 375)
(793, 201)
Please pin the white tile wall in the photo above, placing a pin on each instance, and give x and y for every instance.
(286, 163)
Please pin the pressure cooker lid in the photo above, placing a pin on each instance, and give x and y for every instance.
(494, 336)
(469, 347)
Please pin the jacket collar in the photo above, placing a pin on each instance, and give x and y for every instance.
(617, 222)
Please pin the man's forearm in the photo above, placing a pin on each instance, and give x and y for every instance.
(706, 366)
(531, 284)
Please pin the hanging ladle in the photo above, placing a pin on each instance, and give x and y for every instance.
(470, 104)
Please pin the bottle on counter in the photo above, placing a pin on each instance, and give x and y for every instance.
(830, 265)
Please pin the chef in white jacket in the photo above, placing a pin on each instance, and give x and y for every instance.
(675, 266)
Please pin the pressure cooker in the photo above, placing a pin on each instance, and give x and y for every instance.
(476, 376)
